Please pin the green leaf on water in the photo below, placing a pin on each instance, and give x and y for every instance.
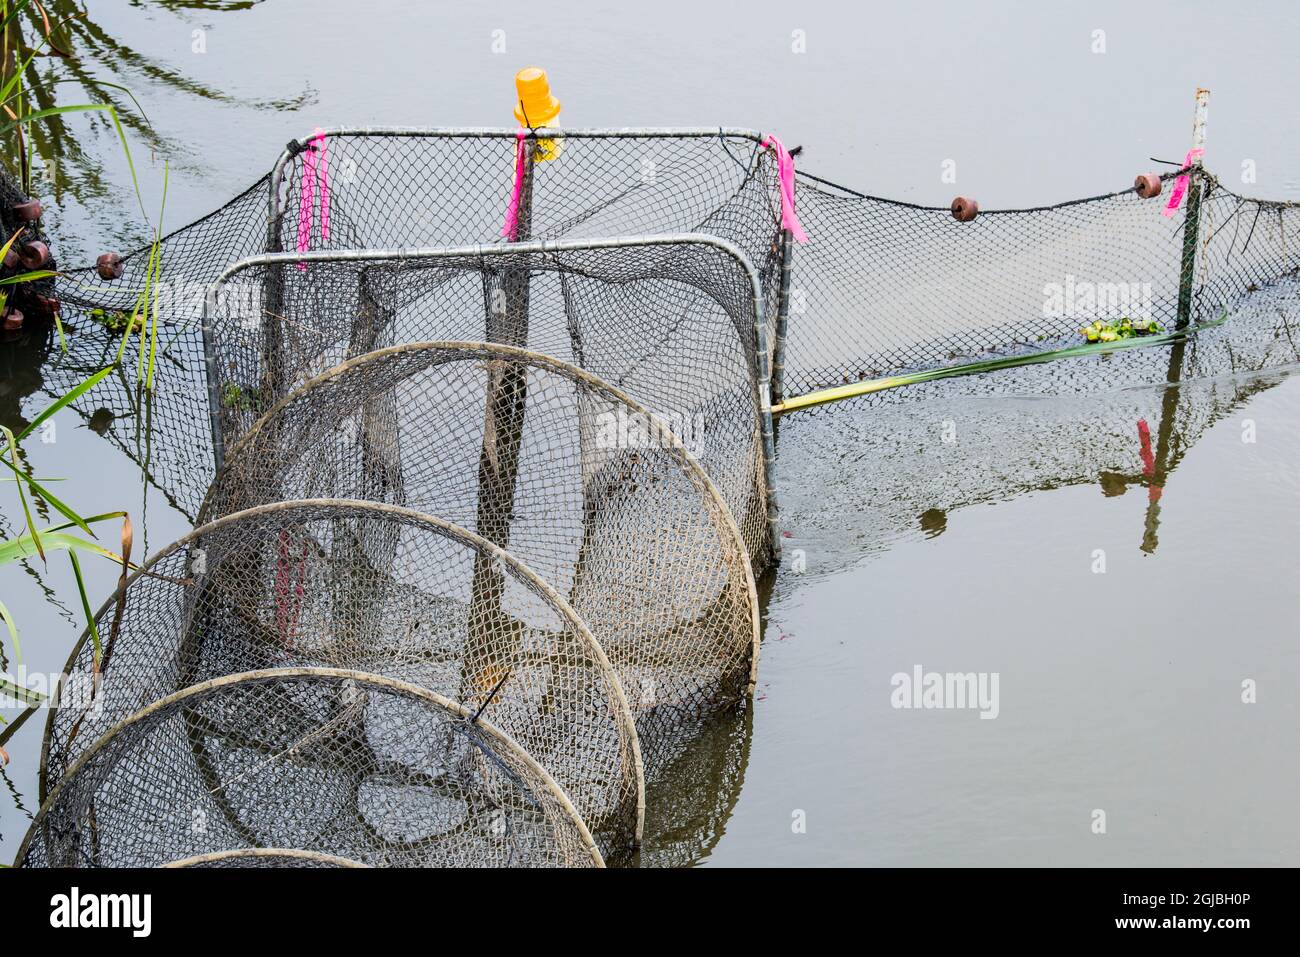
(22, 496)
(13, 632)
(68, 397)
(85, 605)
(44, 493)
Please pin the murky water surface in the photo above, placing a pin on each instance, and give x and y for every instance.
(959, 527)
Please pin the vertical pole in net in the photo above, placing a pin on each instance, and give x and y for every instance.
(507, 389)
(1192, 221)
(782, 317)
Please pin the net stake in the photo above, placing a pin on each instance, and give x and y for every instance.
(507, 392)
(1191, 225)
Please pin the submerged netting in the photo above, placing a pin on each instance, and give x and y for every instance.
(265, 857)
(536, 456)
(371, 588)
(337, 762)
(1005, 441)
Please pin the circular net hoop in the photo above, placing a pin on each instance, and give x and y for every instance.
(366, 587)
(336, 762)
(527, 451)
(674, 324)
(265, 857)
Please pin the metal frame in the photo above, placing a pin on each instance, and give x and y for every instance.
(303, 858)
(760, 379)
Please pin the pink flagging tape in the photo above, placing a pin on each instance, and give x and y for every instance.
(323, 184)
(315, 187)
(1180, 185)
(510, 229)
(785, 173)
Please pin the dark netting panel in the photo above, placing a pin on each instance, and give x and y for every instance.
(166, 432)
(427, 188)
(674, 325)
(1244, 244)
(885, 287)
(342, 763)
(370, 588)
(539, 457)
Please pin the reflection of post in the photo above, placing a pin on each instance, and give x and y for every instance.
(1158, 472)
(506, 295)
(1192, 221)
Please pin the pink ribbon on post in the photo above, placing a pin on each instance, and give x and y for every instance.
(1180, 185)
(510, 229)
(785, 173)
(315, 184)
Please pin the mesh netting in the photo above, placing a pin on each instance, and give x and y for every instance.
(882, 286)
(886, 287)
(264, 857)
(425, 188)
(371, 588)
(934, 448)
(410, 188)
(337, 762)
(575, 478)
(675, 325)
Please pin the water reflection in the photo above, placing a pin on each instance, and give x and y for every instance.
(78, 52)
(858, 477)
(22, 354)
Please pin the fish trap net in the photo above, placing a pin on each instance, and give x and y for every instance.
(373, 588)
(887, 287)
(422, 188)
(330, 762)
(882, 286)
(436, 189)
(580, 482)
(676, 324)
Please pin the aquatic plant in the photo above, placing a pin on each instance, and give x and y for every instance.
(60, 537)
(1122, 328)
(241, 399)
(16, 101)
(115, 320)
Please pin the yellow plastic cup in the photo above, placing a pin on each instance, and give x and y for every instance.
(535, 107)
